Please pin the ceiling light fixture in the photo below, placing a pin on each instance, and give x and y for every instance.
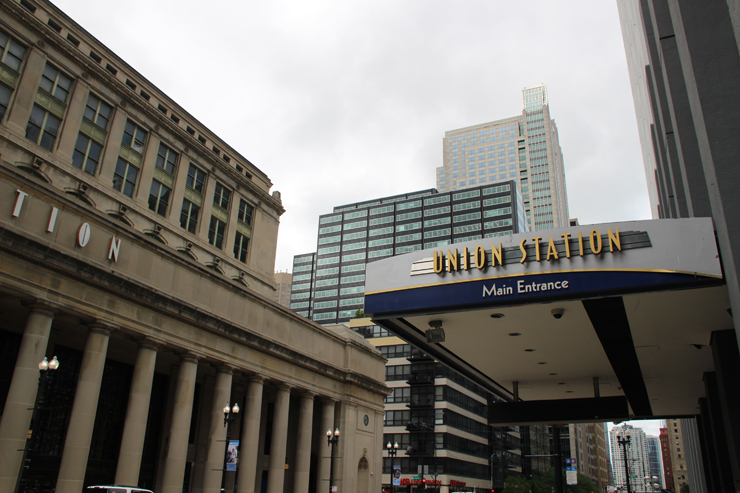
(497, 315)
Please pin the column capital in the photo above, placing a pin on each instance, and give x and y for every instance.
(256, 378)
(150, 343)
(280, 386)
(306, 394)
(41, 306)
(100, 328)
(190, 356)
(224, 368)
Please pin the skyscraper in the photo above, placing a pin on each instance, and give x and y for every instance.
(523, 148)
(630, 461)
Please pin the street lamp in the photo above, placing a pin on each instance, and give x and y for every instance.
(625, 444)
(392, 451)
(652, 482)
(230, 413)
(45, 379)
(332, 442)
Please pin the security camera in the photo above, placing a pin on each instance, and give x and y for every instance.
(557, 313)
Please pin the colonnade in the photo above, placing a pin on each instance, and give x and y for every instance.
(18, 411)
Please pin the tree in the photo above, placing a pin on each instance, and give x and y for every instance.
(684, 488)
(517, 484)
(360, 313)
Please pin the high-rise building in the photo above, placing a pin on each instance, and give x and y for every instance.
(678, 453)
(329, 285)
(665, 452)
(283, 281)
(690, 79)
(630, 459)
(588, 447)
(656, 462)
(439, 419)
(523, 148)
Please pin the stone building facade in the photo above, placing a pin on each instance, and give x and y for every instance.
(138, 249)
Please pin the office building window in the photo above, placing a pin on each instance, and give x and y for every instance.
(124, 177)
(87, 154)
(195, 179)
(12, 52)
(43, 127)
(216, 232)
(241, 245)
(159, 198)
(245, 212)
(166, 159)
(98, 112)
(134, 136)
(221, 196)
(189, 215)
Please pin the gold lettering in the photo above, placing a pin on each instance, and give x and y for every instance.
(595, 234)
(537, 247)
(614, 239)
(465, 259)
(524, 252)
(439, 262)
(580, 244)
(480, 257)
(451, 260)
(551, 250)
(497, 255)
(566, 237)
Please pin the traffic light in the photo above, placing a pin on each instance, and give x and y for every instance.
(424, 484)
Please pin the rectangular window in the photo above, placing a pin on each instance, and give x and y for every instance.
(326, 293)
(300, 296)
(245, 213)
(330, 229)
(349, 279)
(467, 229)
(354, 215)
(438, 210)
(351, 301)
(221, 196)
(166, 159)
(189, 216)
(124, 177)
(406, 249)
(87, 153)
(380, 253)
(497, 212)
(404, 238)
(325, 316)
(159, 198)
(302, 277)
(241, 246)
(347, 313)
(467, 238)
(356, 289)
(354, 236)
(381, 231)
(439, 232)
(381, 220)
(331, 219)
(466, 217)
(352, 268)
(498, 189)
(98, 112)
(354, 256)
(300, 304)
(195, 178)
(327, 261)
(408, 205)
(381, 210)
(408, 227)
(216, 232)
(300, 260)
(134, 136)
(325, 282)
(12, 52)
(466, 195)
(43, 127)
(329, 239)
(359, 224)
(467, 205)
(325, 304)
(496, 201)
(327, 272)
(326, 251)
(497, 224)
(435, 244)
(353, 246)
(384, 241)
(437, 222)
(408, 215)
(302, 268)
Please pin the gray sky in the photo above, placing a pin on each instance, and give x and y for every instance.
(339, 102)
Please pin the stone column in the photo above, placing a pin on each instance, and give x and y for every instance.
(327, 423)
(217, 431)
(201, 436)
(16, 418)
(303, 444)
(137, 413)
(177, 450)
(276, 468)
(26, 89)
(82, 421)
(249, 444)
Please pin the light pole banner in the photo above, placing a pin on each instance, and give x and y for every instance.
(396, 475)
(232, 454)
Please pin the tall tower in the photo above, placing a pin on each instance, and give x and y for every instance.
(637, 458)
(523, 148)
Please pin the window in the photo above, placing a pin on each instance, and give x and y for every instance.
(97, 111)
(241, 245)
(12, 52)
(124, 177)
(159, 198)
(221, 196)
(86, 154)
(189, 215)
(55, 83)
(42, 127)
(216, 232)
(166, 159)
(245, 212)
(134, 136)
(195, 179)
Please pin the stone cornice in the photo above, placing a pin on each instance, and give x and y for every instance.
(90, 68)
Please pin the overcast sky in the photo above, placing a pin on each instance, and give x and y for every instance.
(339, 102)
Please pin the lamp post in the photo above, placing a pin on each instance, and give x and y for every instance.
(45, 379)
(332, 441)
(230, 413)
(392, 451)
(652, 482)
(625, 444)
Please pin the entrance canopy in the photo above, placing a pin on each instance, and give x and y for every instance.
(589, 323)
